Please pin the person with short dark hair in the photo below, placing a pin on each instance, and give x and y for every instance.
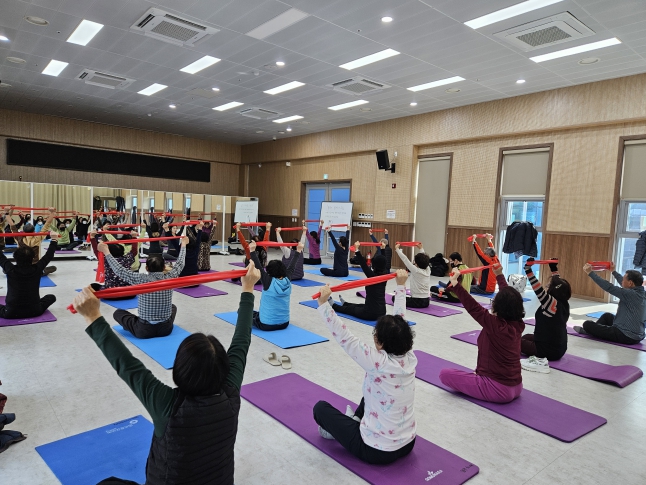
(273, 313)
(195, 423)
(627, 327)
(382, 429)
(156, 310)
(455, 261)
(290, 253)
(488, 257)
(420, 281)
(23, 282)
(384, 249)
(498, 376)
(341, 251)
(118, 252)
(314, 241)
(25, 239)
(549, 340)
(65, 230)
(260, 250)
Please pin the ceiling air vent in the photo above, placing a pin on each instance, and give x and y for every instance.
(170, 28)
(103, 79)
(259, 113)
(358, 86)
(546, 32)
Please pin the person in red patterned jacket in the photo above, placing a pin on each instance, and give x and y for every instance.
(488, 257)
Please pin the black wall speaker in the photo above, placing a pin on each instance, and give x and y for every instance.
(382, 160)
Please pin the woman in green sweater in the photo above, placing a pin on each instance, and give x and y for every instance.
(196, 422)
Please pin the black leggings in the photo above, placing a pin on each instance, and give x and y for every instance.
(446, 296)
(267, 327)
(417, 302)
(312, 261)
(359, 310)
(603, 329)
(334, 272)
(28, 312)
(346, 431)
(70, 246)
(529, 347)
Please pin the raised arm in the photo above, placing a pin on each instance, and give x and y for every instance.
(367, 270)
(410, 266)
(333, 239)
(49, 255)
(399, 299)
(264, 276)
(605, 285)
(547, 301)
(285, 250)
(178, 266)
(298, 254)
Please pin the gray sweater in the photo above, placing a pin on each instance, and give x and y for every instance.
(631, 312)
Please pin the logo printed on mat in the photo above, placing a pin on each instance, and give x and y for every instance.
(130, 424)
(432, 475)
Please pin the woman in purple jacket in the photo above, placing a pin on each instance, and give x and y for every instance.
(314, 240)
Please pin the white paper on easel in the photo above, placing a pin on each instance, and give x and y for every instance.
(336, 213)
(246, 211)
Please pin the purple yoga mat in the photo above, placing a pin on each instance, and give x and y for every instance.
(459, 305)
(73, 251)
(434, 310)
(620, 375)
(551, 417)
(290, 399)
(200, 291)
(10, 322)
(257, 287)
(240, 264)
(640, 346)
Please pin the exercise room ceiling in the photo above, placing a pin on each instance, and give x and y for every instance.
(312, 41)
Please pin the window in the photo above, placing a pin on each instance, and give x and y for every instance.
(152, 204)
(134, 201)
(170, 205)
(632, 221)
(187, 202)
(530, 210)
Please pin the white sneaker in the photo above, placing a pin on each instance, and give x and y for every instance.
(325, 434)
(350, 413)
(535, 364)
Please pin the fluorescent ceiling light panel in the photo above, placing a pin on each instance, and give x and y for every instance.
(152, 89)
(576, 50)
(284, 20)
(54, 68)
(224, 107)
(509, 12)
(200, 64)
(285, 87)
(84, 33)
(435, 84)
(347, 105)
(289, 118)
(377, 56)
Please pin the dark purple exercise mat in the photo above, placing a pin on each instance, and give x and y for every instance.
(257, 286)
(570, 331)
(551, 417)
(433, 310)
(10, 322)
(620, 375)
(200, 291)
(290, 399)
(71, 251)
(456, 304)
(239, 264)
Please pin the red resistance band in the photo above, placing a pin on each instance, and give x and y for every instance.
(473, 270)
(149, 239)
(470, 238)
(119, 226)
(600, 264)
(408, 244)
(22, 234)
(338, 225)
(377, 230)
(30, 208)
(312, 220)
(272, 244)
(359, 283)
(375, 244)
(113, 213)
(114, 233)
(282, 229)
(542, 261)
(187, 223)
(168, 284)
(252, 224)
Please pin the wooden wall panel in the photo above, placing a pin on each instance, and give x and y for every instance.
(456, 240)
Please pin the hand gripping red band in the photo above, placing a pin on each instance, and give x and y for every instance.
(272, 244)
(168, 284)
(470, 238)
(600, 264)
(409, 244)
(359, 283)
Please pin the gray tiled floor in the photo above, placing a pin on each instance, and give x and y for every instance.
(59, 384)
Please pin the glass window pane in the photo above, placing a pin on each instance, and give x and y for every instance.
(636, 217)
(626, 254)
(535, 212)
(515, 211)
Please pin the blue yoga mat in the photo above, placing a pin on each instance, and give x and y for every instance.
(288, 338)
(46, 282)
(128, 304)
(118, 449)
(315, 304)
(345, 278)
(161, 349)
(491, 295)
(595, 314)
(306, 283)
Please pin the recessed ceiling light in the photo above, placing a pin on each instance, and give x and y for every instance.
(3, 38)
(277, 24)
(280, 63)
(200, 64)
(260, 131)
(452, 90)
(576, 50)
(36, 20)
(289, 118)
(435, 84)
(215, 89)
(172, 106)
(289, 128)
(589, 60)
(348, 105)
(224, 107)
(413, 103)
(54, 68)
(386, 20)
(152, 89)
(365, 109)
(285, 87)
(509, 12)
(520, 81)
(84, 32)
(377, 56)
(16, 60)
(281, 132)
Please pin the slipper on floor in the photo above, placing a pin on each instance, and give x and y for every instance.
(10, 437)
(286, 362)
(271, 359)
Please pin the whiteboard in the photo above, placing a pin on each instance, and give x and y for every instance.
(246, 211)
(336, 213)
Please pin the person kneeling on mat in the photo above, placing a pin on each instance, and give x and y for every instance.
(196, 423)
(382, 429)
(549, 341)
(420, 283)
(455, 260)
(628, 326)
(156, 310)
(497, 377)
(273, 313)
(375, 305)
(23, 282)
(341, 249)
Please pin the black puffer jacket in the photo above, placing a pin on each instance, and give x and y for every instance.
(640, 252)
(521, 239)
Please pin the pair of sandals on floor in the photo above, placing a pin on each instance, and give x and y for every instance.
(285, 362)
